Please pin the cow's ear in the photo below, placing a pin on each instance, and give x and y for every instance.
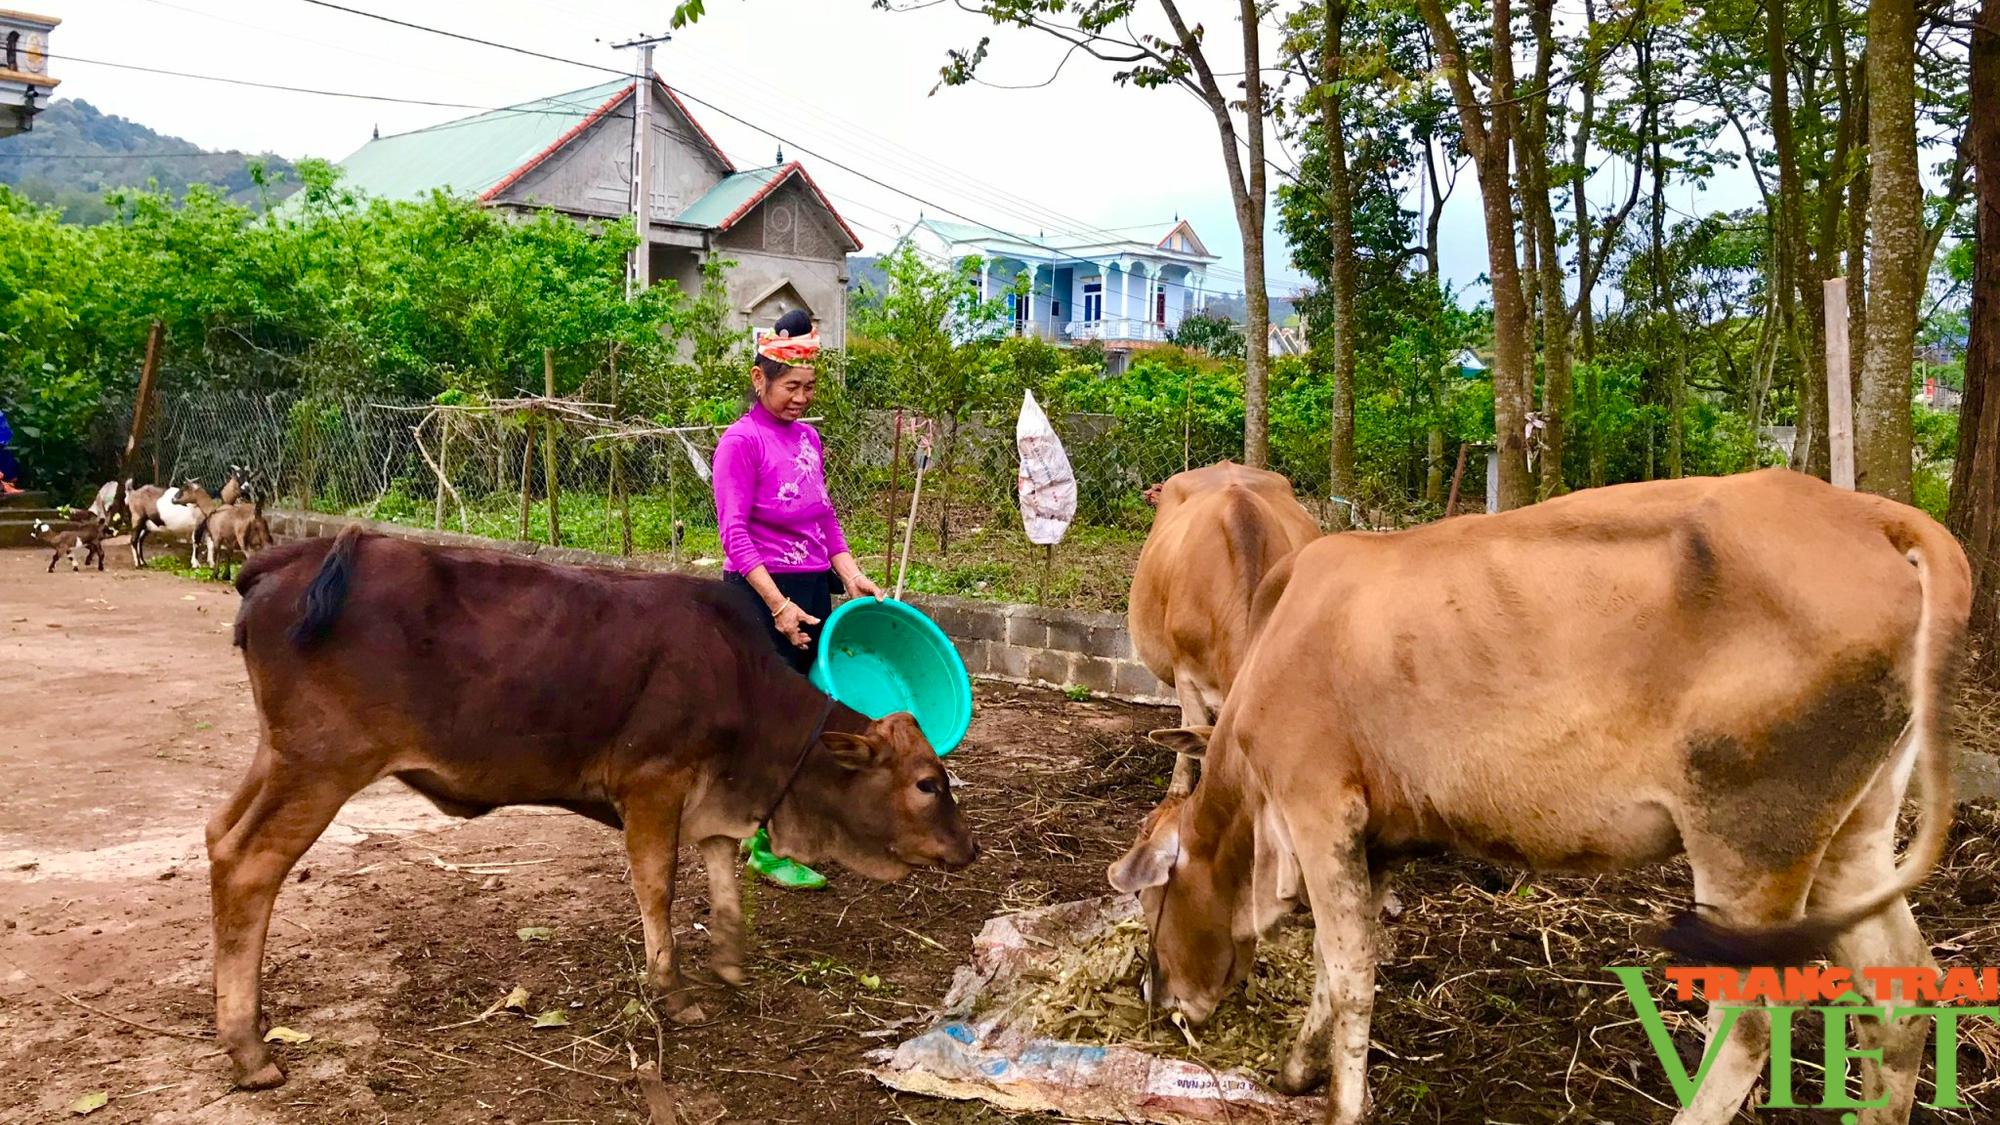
(1191, 741)
(851, 750)
(1149, 862)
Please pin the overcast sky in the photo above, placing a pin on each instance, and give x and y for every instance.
(834, 76)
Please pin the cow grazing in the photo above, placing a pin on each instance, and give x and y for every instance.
(172, 510)
(1217, 532)
(652, 703)
(1721, 667)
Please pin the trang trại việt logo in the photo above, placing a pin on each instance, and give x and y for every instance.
(1831, 995)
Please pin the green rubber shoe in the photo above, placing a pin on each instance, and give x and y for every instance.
(786, 873)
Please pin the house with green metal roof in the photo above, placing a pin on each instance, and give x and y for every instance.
(572, 153)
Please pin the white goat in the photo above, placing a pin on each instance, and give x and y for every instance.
(176, 511)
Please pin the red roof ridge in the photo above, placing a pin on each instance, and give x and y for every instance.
(785, 172)
(574, 131)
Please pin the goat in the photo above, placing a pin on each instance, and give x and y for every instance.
(88, 534)
(175, 510)
(239, 527)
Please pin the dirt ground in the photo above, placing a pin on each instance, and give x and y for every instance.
(128, 719)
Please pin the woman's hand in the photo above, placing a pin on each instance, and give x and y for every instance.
(860, 585)
(791, 621)
(851, 576)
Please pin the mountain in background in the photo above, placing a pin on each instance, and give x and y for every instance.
(76, 153)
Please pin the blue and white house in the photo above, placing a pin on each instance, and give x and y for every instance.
(1079, 287)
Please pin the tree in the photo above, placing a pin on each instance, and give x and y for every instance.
(1896, 242)
(1175, 58)
(1974, 515)
(1486, 131)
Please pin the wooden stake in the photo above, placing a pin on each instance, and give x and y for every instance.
(1048, 564)
(895, 464)
(618, 470)
(444, 458)
(144, 402)
(527, 468)
(1457, 475)
(1839, 387)
(549, 447)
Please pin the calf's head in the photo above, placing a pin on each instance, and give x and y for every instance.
(878, 802)
(1195, 868)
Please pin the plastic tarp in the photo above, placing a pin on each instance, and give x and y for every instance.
(978, 1046)
(1046, 484)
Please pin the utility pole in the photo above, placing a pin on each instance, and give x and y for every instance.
(640, 274)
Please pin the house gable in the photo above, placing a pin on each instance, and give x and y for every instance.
(789, 219)
(1182, 240)
(589, 170)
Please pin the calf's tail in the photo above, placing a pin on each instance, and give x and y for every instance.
(1944, 582)
(321, 604)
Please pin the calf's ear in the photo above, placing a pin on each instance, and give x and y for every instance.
(1191, 741)
(1149, 862)
(851, 750)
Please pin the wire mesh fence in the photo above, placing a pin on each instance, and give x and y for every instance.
(572, 472)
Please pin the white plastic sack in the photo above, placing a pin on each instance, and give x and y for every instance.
(1046, 485)
(977, 1046)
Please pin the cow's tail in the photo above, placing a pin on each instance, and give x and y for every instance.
(1945, 584)
(319, 607)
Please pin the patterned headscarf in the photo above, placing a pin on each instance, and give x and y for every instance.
(789, 350)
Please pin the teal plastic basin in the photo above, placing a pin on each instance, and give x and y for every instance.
(883, 657)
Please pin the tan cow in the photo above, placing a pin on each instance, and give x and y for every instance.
(1721, 667)
(1217, 532)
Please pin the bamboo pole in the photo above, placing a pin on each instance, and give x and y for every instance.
(916, 493)
(895, 464)
(549, 447)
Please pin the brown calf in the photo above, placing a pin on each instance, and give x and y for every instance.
(1217, 532)
(1718, 667)
(650, 702)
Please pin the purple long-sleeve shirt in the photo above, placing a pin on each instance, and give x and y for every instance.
(771, 504)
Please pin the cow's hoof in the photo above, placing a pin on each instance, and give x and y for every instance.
(732, 975)
(1299, 1077)
(688, 1014)
(263, 1075)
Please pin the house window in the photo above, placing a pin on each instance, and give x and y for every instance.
(1093, 301)
(1160, 305)
(13, 50)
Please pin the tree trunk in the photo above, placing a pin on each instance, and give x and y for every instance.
(1975, 480)
(1895, 222)
(1250, 217)
(1490, 147)
(1808, 311)
(1340, 231)
(1556, 374)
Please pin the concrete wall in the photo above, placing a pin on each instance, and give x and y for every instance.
(1021, 644)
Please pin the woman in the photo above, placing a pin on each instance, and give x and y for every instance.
(780, 535)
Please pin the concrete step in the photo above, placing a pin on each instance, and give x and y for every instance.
(29, 499)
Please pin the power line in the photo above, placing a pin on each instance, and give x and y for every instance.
(295, 89)
(1051, 251)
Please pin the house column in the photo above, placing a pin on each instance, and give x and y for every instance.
(985, 267)
(1117, 312)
